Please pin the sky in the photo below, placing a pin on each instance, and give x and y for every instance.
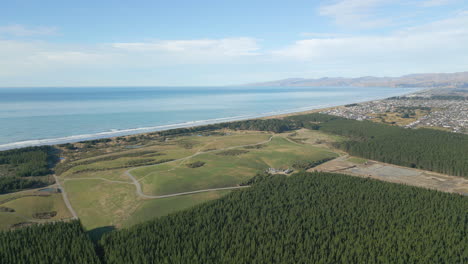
(208, 42)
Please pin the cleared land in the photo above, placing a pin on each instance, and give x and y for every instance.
(32, 206)
(100, 203)
(104, 196)
(117, 185)
(316, 138)
(397, 174)
(398, 118)
(149, 209)
(225, 168)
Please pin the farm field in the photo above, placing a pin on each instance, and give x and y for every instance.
(121, 183)
(225, 168)
(101, 203)
(32, 206)
(151, 208)
(126, 185)
(316, 138)
(104, 196)
(172, 148)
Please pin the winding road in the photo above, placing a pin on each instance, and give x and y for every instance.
(137, 184)
(96, 178)
(141, 194)
(65, 198)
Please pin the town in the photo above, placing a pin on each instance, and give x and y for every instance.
(445, 109)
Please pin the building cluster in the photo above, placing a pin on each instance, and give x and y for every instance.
(454, 117)
(448, 114)
(279, 171)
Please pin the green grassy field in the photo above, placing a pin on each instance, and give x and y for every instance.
(26, 206)
(217, 172)
(99, 203)
(173, 149)
(223, 171)
(111, 174)
(102, 204)
(316, 138)
(149, 209)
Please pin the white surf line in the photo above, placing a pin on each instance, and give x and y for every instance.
(65, 198)
(135, 131)
(141, 194)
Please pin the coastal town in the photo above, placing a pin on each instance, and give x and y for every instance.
(445, 109)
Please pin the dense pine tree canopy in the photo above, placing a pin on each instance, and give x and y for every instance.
(30, 161)
(47, 244)
(272, 125)
(16, 164)
(12, 184)
(305, 218)
(426, 149)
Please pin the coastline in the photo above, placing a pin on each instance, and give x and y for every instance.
(145, 130)
(423, 90)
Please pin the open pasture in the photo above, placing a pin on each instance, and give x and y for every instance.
(104, 196)
(32, 206)
(225, 168)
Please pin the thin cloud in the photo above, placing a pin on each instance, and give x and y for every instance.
(322, 35)
(227, 46)
(431, 47)
(434, 3)
(20, 57)
(355, 13)
(22, 31)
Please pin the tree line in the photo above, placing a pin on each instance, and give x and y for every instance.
(16, 164)
(271, 125)
(30, 161)
(426, 149)
(305, 218)
(13, 184)
(57, 242)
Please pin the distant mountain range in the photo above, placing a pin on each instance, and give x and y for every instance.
(434, 80)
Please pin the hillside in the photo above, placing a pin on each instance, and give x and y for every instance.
(430, 80)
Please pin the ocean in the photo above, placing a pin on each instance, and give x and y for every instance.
(39, 116)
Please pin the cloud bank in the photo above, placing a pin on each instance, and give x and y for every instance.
(438, 46)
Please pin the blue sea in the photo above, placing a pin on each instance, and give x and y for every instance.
(38, 116)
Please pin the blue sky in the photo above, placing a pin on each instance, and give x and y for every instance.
(105, 43)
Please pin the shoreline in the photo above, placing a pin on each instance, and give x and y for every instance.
(188, 124)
